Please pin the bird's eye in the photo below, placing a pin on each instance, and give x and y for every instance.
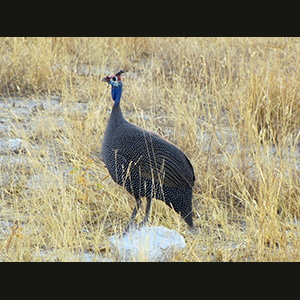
(114, 79)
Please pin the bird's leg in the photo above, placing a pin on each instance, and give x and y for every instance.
(134, 212)
(145, 221)
(147, 209)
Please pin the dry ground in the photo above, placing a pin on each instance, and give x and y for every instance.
(231, 104)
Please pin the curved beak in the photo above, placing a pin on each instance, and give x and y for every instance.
(105, 79)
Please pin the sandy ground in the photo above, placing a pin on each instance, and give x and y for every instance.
(28, 129)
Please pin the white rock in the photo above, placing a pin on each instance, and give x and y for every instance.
(16, 145)
(147, 244)
(12, 145)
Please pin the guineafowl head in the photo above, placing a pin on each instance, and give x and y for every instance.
(116, 86)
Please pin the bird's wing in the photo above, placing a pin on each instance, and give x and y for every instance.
(163, 162)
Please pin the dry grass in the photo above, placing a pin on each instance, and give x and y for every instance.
(231, 104)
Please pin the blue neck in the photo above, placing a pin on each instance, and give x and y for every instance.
(116, 93)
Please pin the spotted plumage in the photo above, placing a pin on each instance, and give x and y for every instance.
(144, 163)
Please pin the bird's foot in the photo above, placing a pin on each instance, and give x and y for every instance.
(143, 223)
(131, 226)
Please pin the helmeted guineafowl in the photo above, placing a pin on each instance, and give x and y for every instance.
(144, 163)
